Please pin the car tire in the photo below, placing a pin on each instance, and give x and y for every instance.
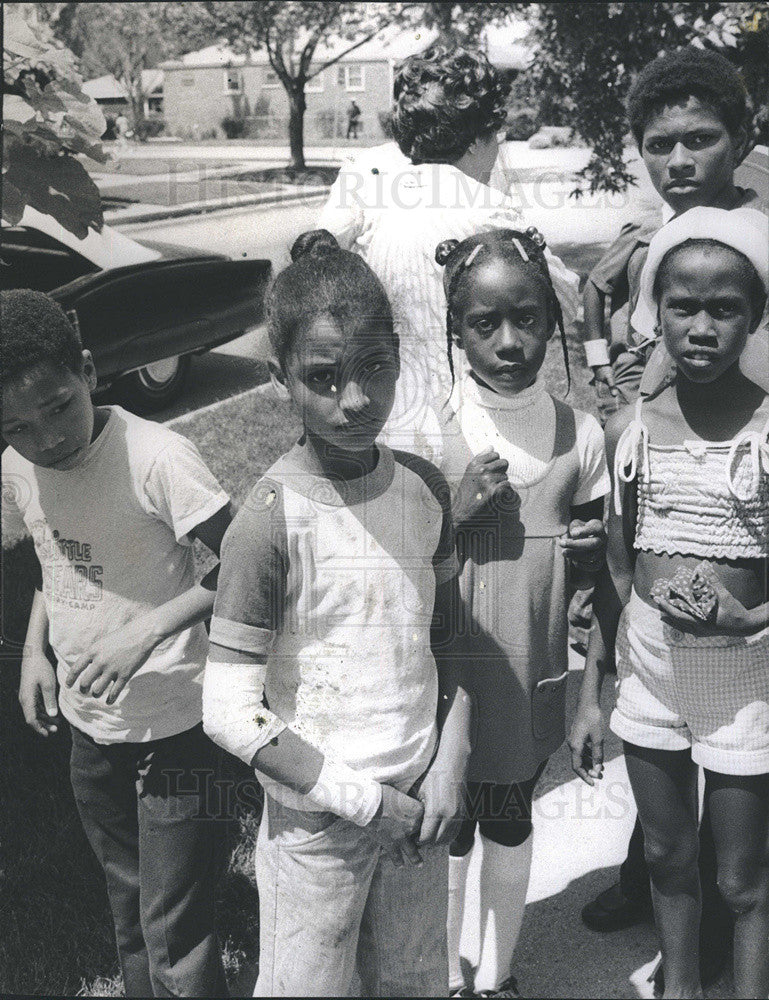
(154, 386)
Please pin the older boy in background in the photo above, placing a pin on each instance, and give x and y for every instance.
(688, 115)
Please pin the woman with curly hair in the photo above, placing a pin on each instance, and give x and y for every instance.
(396, 205)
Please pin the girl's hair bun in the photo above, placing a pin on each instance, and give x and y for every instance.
(314, 243)
(536, 237)
(444, 250)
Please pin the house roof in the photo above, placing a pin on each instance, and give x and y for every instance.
(505, 46)
(107, 88)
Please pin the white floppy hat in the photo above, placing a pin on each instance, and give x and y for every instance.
(745, 230)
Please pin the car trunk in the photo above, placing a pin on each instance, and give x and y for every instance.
(132, 316)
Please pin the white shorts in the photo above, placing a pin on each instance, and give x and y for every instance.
(678, 691)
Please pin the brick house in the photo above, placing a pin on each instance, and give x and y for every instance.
(204, 88)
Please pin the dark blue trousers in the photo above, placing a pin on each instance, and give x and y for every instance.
(149, 812)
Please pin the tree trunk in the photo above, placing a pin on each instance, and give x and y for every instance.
(136, 100)
(444, 22)
(297, 105)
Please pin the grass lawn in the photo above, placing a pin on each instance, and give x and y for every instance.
(57, 935)
(208, 180)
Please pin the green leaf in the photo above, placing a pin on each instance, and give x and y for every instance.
(58, 186)
(13, 202)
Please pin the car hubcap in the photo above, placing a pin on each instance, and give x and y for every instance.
(159, 372)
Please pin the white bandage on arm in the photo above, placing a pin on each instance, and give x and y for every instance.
(234, 715)
(596, 353)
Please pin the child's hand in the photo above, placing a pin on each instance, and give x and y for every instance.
(439, 790)
(113, 660)
(396, 825)
(37, 693)
(586, 743)
(605, 374)
(486, 475)
(584, 544)
(731, 617)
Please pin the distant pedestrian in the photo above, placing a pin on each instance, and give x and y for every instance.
(353, 120)
(123, 130)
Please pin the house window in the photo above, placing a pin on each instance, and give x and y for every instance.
(351, 77)
(315, 85)
(187, 81)
(271, 78)
(233, 81)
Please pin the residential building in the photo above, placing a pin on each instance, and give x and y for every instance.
(112, 97)
(205, 92)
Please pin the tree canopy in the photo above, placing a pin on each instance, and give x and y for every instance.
(125, 39)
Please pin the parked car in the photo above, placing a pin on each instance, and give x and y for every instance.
(142, 308)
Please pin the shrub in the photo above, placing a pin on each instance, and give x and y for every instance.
(233, 127)
(150, 128)
(326, 123)
(522, 125)
(552, 137)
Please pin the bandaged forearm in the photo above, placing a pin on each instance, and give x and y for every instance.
(235, 717)
(234, 714)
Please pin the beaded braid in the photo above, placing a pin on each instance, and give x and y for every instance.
(533, 241)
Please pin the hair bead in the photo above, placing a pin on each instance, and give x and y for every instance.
(520, 250)
(472, 255)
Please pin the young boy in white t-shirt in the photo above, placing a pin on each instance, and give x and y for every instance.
(112, 503)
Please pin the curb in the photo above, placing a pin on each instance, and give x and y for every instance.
(116, 217)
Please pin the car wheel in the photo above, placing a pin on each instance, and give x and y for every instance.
(154, 386)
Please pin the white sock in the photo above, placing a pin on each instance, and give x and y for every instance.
(504, 882)
(457, 885)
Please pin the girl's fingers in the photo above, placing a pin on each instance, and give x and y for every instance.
(586, 529)
(578, 763)
(677, 616)
(100, 685)
(118, 684)
(89, 676)
(589, 544)
(76, 669)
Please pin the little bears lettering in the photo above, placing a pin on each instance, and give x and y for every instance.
(75, 580)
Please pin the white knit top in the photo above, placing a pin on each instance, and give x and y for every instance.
(699, 498)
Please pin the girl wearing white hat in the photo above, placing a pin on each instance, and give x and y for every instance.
(688, 549)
